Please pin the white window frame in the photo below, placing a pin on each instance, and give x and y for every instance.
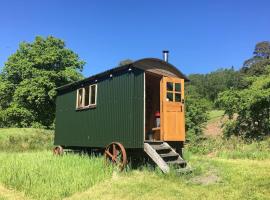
(84, 106)
(77, 100)
(90, 95)
(83, 97)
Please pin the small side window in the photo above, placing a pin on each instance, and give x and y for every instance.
(93, 95)
(86, 97)
(79, 98)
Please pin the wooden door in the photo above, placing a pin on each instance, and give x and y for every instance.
(172, 109)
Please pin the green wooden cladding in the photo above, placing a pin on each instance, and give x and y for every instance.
(118, 116)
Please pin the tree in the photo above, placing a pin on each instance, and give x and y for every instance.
(209, 85)
(29, 79)
(261, 58)
(196, 116)
(248, 109)
(125, 62)
(196, 113)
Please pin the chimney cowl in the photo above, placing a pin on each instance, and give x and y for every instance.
(165, 55)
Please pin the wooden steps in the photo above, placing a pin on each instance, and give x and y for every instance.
(163, 155)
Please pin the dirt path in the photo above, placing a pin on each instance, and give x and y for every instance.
(8, 194)
(214, 127)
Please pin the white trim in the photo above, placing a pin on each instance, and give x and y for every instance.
(90, 95)
(144, 111)
(83, 97)
(84, 89)
(78, 95)
(96, 94)
(77, 98)
(89, 98)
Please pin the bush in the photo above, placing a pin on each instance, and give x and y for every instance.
(196, 116)
(15, 116)
(248, 110)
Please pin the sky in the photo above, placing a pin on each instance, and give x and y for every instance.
(201, 35)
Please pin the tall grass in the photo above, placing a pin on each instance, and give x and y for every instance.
(230, 148)
(44, 176)
(223, 179)
(215, 115)
(24, 139)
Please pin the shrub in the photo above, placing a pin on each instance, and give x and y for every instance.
(196, 116)
(248, 110)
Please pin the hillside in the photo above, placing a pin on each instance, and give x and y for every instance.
(214, 124)
(229, 173)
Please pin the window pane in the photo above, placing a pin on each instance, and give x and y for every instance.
(86, 96)
(169, 86)
(169, 96)
(93, 95)
(177, 87)
(177, 97)
(80, 98)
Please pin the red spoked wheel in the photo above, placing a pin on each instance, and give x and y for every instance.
(58, 150)
(116, 154)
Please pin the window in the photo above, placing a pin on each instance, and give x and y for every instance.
(173, 92)
(87, 97)
(80, 98)
(93, 96)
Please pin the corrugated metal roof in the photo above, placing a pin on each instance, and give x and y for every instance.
(146, 64)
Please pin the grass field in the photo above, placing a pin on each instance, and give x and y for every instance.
(215, 114)
(25, 139)
(231, 172)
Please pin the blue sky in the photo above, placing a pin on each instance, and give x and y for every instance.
(201, 35)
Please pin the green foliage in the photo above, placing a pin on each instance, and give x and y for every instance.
(249, 109)
(25, 139)
(209, 85)
(29, 79)
(261, 58)
(196, 116)
(215, 115)
(16, 116)
(125, 62)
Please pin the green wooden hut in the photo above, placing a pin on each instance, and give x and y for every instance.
(115, 112)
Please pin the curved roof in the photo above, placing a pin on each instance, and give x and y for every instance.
(147, 64)
(157, 65)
